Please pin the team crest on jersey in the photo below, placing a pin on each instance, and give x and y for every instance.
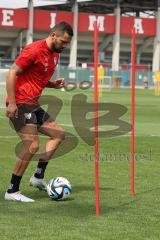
(28, 115)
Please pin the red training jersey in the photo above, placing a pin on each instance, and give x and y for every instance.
(38, 63)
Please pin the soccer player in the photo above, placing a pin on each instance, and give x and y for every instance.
(27, 77)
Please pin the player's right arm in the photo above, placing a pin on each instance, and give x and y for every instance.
(11, 110)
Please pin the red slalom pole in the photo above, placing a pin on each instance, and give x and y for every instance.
(133, 55)
(96, 146)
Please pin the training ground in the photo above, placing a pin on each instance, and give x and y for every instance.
(122, 217)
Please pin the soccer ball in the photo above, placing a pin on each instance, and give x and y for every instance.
(59, 188)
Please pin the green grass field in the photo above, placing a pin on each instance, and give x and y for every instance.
(122, 217)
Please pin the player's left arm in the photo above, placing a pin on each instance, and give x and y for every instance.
(58, 83)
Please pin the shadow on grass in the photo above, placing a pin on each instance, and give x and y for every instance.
(58, 209)
(81, 205)
(79, 188)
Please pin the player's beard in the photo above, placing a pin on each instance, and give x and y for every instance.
(57, 49)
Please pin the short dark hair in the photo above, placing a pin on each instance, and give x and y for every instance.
(62, 27)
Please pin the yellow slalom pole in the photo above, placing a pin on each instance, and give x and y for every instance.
(100, 80)
(157, 83)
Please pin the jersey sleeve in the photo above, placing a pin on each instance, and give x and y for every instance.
(26, 58)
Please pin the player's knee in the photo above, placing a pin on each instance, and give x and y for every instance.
(34, 147)
(59, 134)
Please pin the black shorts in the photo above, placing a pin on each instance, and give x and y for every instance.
(29, 114)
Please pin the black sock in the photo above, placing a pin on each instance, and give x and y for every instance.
(41, 167)
(14, 184)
